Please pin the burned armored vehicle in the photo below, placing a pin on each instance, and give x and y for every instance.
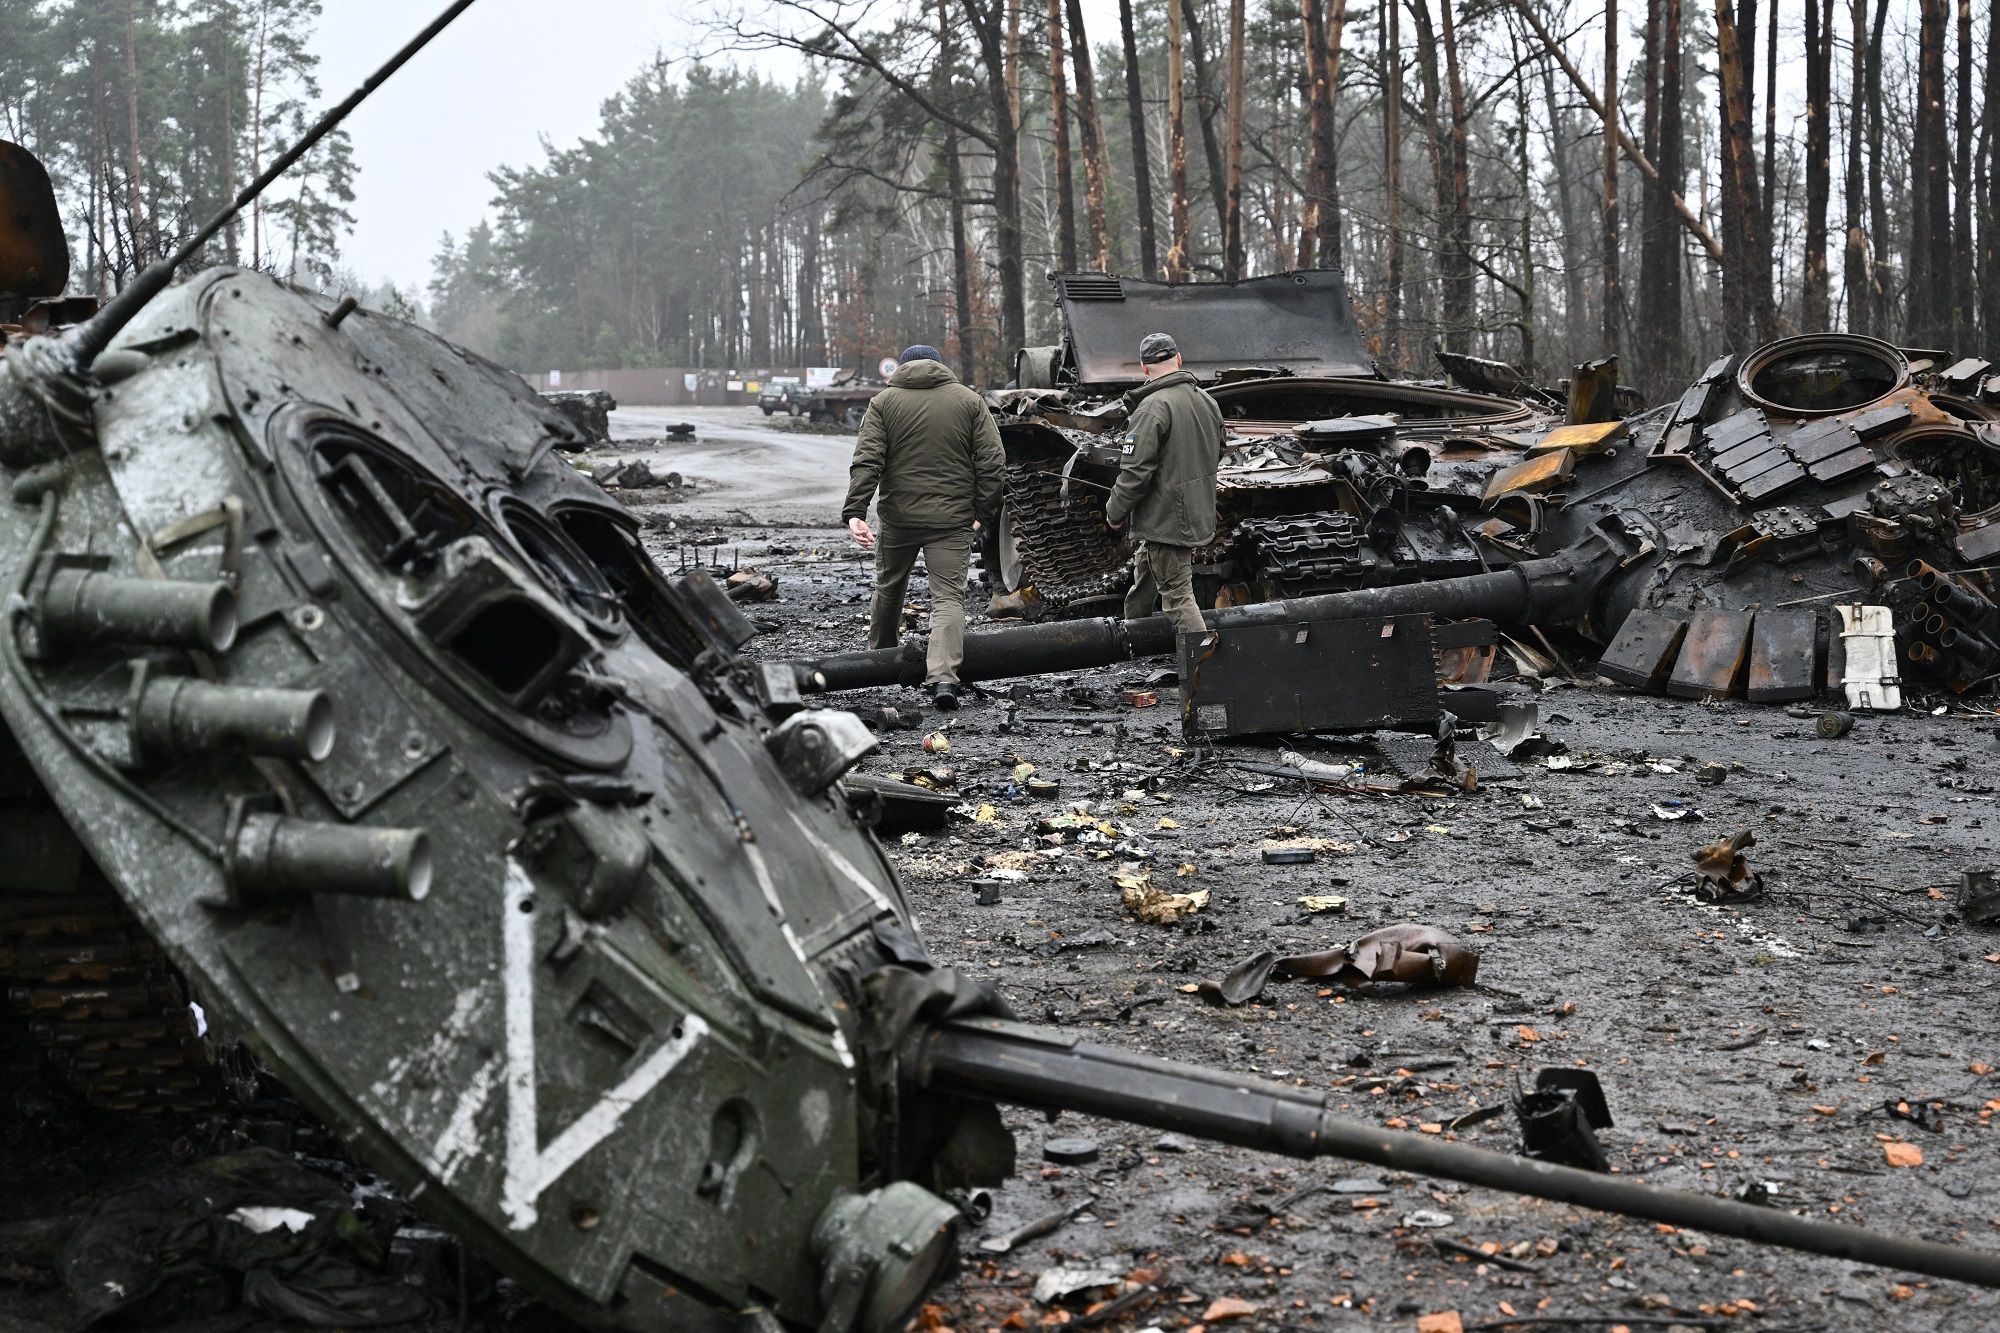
(1819, 515)
(1334, 476)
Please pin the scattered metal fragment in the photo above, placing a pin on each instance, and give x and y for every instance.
(1417, 955)
(1558, 1119)
(1446, 1245)
(1056, 1284)
(1722, 871)
(1978, 898)
(1070, 1151)
(1287, 856)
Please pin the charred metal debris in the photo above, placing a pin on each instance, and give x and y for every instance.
(1818, 517)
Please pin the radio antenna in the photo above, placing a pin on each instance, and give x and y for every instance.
(92, 336)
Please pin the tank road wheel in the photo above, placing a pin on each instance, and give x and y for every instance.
(851, 418)
(1006, 568)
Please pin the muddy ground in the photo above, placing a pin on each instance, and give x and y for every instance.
(1759, 1046)
(1752, 1047)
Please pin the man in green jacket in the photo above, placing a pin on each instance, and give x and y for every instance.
(1166, 483)
(932, 451)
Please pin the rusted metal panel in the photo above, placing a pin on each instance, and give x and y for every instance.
(1715, 656)
(1593, 437)
(1784, 656)
(1534, 475)
(1643, 651)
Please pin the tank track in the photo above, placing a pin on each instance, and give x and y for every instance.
(1313, 553)
(1068, 555)
(109, 1014)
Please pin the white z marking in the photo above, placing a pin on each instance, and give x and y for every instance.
(532, 1168)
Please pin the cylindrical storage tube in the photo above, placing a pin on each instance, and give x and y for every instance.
(180, 715)
(278, 857)
(80, 606)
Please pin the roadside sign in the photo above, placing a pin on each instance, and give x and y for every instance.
(887, 367)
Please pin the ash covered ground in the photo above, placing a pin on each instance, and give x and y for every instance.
(1797, 1044)
(1761, 1046)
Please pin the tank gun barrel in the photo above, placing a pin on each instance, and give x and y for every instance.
(995, 1060)
(1559, 587)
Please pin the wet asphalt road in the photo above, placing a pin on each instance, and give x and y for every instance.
(747, 467)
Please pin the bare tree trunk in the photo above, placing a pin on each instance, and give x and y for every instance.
(1878, 208)
(1328, 240)
(954, 179)
(1612, 296)
(257, 133)
(1572, 241)
(1316, 111)
(1660, 352)
(1232, 228)
(1690, 220)
(1819, 159)
(228, 93)
(1392, 180)
(1525, 182)
(1768, 210)
(988, 22)
(1456, 259)
(1059, 129)
(1090, 129)
(1854, 268)
(1012, 77)
(1961, 290)
(132, 171)
(1142, 171)
(1209, 107)
(1989, 195)
(1177, 182)
(1739, 187)
(1930, 181)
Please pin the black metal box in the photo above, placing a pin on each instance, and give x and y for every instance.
(1329, 675)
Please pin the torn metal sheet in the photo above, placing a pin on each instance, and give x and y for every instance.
(1723, 873)
(1417, 955)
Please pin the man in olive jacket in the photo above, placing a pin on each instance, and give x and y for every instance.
(932, 451)
(1166, 483)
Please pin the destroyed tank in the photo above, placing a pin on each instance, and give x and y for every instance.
(1332, 476)
(486, 838)
(1818, 515)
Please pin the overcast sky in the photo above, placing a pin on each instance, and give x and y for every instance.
(505, 75)
(482, 95)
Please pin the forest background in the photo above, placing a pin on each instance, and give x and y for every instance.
(1770, 168)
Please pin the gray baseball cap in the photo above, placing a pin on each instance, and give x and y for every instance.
(1157, 347)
